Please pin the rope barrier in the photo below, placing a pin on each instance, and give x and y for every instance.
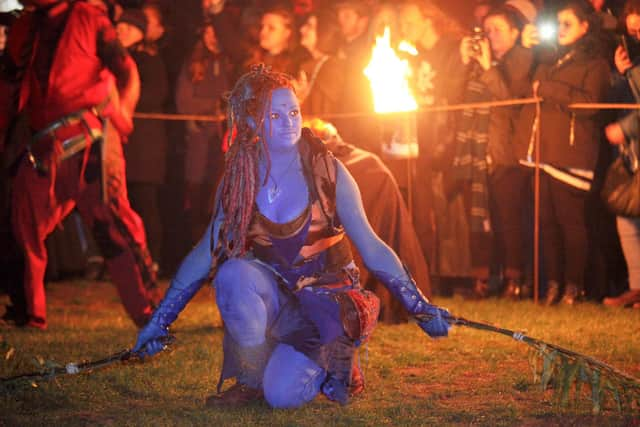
(603, 106)
(487, 104)
(179, 117)
(434, 109)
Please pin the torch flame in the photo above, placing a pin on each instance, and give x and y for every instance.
(388, 76)
(405, 46)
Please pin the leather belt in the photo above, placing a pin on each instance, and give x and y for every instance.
(72, 145)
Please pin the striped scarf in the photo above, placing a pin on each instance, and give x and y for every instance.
(470, 161)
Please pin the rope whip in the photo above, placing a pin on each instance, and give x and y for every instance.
(123, 356)
(519, 336)
(567, 367)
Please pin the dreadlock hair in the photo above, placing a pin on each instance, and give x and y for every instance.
(247, 104)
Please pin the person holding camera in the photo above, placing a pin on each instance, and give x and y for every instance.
(577, 72)
(503, 69)
(627, 129)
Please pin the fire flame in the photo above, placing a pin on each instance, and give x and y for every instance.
(388, 76)
(405, 46)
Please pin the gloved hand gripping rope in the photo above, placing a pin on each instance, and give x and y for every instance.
(52, 370)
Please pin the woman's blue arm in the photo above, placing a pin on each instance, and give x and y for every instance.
(379, 258)
(191, 275)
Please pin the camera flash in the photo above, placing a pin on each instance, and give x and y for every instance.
(547, 31)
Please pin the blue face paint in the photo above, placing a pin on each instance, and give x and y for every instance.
(283, 121)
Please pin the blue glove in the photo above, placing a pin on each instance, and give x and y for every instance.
(405, 290)
(174, 301)
(437, 326)
(149, 340)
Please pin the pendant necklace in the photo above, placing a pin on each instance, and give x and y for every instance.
(274, 192)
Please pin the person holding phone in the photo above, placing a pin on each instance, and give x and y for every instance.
(569, 143)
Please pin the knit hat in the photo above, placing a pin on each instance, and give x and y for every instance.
(135, 17)
(10, 6)
(8, 18)
(524, 8)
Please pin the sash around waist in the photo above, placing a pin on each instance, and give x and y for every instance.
(337, 255)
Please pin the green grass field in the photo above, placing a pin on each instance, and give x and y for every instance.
(471, 378)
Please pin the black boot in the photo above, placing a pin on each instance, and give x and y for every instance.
(253, 361)
(512, 289)
(15, 316)
(480, 289)
(526, 291)
(572, 294)
(337, 385)
(553, 292)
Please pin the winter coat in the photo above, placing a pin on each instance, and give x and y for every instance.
(568, 138)
(510, 78)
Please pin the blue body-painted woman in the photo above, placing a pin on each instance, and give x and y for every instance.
(281, 262)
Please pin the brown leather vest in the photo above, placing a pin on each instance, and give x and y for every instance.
(325, 232)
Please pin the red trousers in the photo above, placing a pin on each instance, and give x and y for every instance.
(38, 207)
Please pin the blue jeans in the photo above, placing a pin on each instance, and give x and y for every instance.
(249, 300)
(629, 232)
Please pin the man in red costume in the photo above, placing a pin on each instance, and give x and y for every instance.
(77, 86)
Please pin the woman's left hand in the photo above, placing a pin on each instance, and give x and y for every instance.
(484, 56)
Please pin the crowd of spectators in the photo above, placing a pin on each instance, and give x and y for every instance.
(472, 182)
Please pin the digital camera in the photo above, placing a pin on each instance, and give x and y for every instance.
(477, 35)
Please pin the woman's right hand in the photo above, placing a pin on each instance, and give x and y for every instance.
(480, 50)
(530, 36)
(149, 340)
(621, 58)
